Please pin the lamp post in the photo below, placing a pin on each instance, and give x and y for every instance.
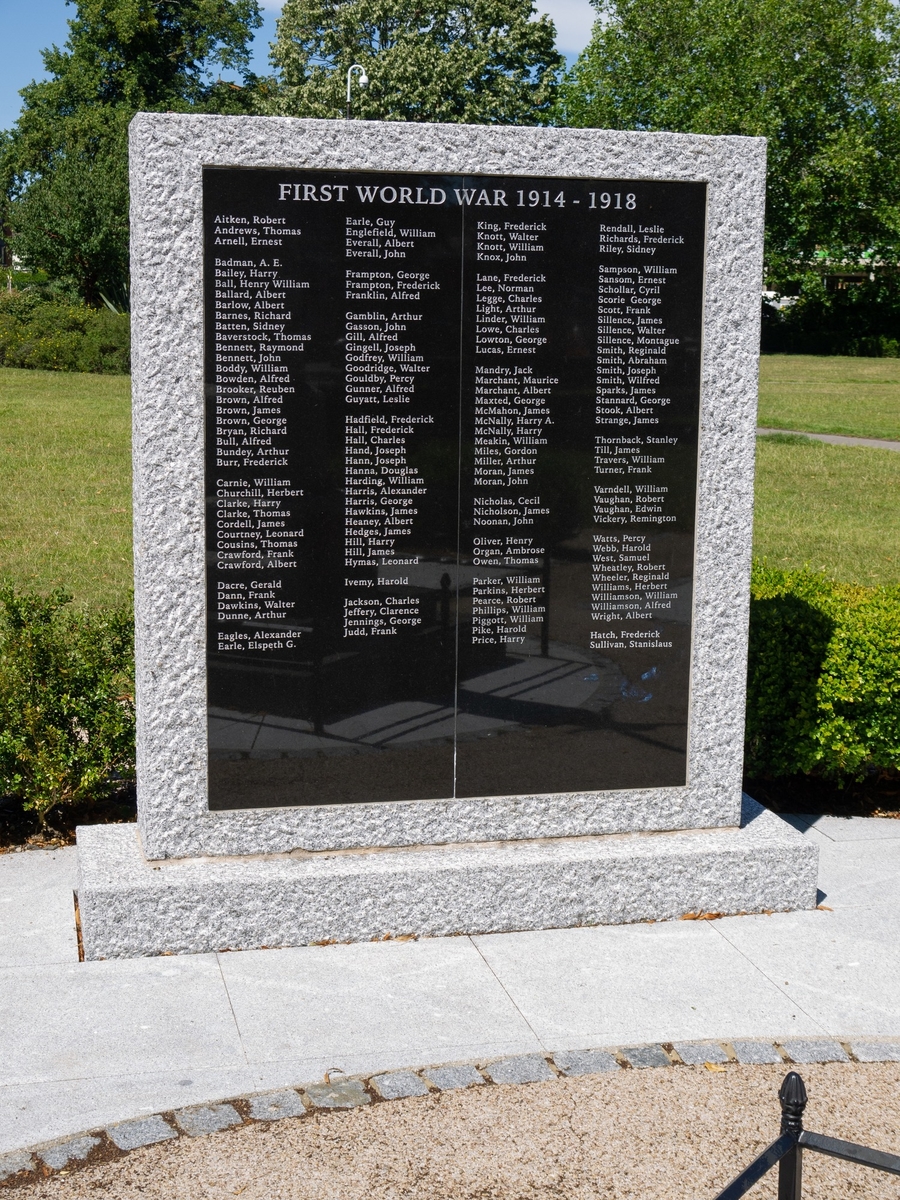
(363, 81)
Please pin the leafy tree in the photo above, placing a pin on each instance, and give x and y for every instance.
(72, 218)
(818, 78)
(479, 61)
(63, 167)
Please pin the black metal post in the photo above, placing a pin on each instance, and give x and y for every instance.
(792, 1095)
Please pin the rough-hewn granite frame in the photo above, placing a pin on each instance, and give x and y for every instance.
(167, 154)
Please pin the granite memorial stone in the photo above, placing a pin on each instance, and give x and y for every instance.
(443, 444)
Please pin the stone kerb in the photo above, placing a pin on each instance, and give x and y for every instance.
(107, 1144)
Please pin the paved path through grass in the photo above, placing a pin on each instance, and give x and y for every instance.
(859, 397)
(833, 439)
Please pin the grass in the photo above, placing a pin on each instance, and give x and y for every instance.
(855, 396)
(833, 508)
(65, 482)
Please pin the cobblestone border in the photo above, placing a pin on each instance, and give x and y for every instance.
(114, 1141)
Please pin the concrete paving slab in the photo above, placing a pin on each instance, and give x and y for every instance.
(802, 822)
(851, 829)
(145, 1131)
(95, 1019)
(861, 874)
(430, 1000)
(841, 968)
(41, 1112)
(719, 994)
(797, 822)
(37, 907)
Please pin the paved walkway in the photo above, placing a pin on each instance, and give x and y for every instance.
(83, 1044)
(835, 439)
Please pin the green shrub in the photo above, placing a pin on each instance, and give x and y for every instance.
(823, 688)
(861, 321)
(44, 330)
(66, 701)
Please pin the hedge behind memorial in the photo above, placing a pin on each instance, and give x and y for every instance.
(66, 701)
(52, 333)
(860, 320)
(823, 686)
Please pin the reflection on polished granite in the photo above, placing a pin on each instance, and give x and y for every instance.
(567, 678)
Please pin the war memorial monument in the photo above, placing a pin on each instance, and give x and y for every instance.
(443, 454)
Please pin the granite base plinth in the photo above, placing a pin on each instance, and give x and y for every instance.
(131, 906)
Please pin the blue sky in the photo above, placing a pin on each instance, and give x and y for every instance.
(28, 26)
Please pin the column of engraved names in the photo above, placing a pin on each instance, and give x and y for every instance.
(511, 413)
(628, 585)
(384, 373)
(257, 527)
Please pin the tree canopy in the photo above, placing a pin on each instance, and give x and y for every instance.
(64, 163)
(818, 78)
(476, 61)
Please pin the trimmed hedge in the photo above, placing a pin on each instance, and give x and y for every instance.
(66, 701)
(823, 687)
(862, 320)
(52, 333)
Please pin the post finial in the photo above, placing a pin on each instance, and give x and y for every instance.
(792, 1095)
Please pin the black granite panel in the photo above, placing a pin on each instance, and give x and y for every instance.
(451, 479)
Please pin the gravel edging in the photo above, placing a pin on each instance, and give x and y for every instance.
(116, 1140)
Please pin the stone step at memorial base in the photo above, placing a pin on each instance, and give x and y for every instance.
(131, 906)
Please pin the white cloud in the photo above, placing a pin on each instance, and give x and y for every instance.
(573, 19)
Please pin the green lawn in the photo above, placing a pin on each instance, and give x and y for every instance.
(833, 508)
(65, 482)
(856, 396)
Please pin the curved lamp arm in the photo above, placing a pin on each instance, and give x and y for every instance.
(363, 81)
